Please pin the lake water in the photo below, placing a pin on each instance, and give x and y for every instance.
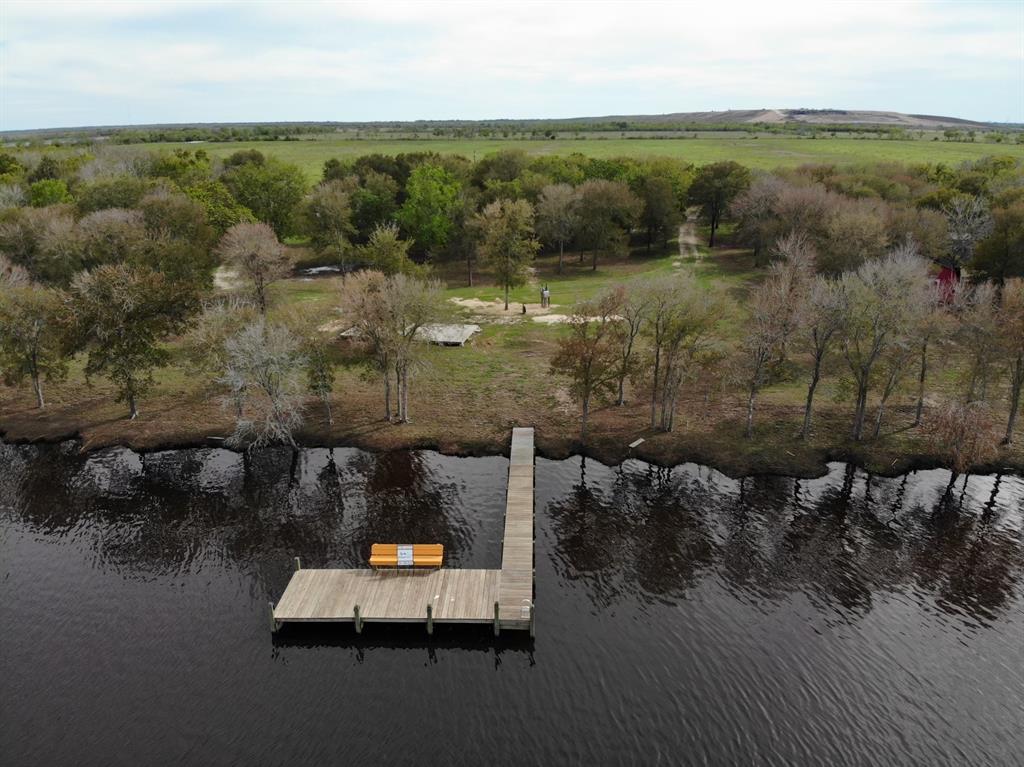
(682, 617)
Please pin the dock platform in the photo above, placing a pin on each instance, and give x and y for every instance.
(502, 598)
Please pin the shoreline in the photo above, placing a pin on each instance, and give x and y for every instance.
(811, 466)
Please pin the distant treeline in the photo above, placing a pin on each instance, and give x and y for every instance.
(484, 129)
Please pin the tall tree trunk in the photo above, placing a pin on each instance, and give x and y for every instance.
(622, 391)
(387, 395)
(859, 413)
(561, 256)
(133, 410)
(714, 227)
(405, 394)
(750, 412)
(1016, 384)
(922, 377)
(469, 270)
(37, 384)
(506, 296)
(327, 405)
(583, 420)
(593, 263)
(654, 386)
(815, 377)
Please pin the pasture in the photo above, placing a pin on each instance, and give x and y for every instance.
(756, 152)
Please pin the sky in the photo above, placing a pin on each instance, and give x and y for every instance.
(115, 63)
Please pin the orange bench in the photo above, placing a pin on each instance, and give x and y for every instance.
(423, 555)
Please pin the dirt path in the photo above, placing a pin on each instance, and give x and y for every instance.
(688, 242)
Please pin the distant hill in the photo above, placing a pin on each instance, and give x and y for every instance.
(796, 121)
(819, 117)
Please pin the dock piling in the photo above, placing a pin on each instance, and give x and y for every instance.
(273, 620)
(502, 597)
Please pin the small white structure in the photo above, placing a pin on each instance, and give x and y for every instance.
(442, 335)
(447, 335)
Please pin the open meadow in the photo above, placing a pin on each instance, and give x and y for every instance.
(764, 153)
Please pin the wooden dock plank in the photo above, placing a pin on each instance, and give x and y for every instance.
(456, 595)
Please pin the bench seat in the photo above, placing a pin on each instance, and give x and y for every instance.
(423, 555)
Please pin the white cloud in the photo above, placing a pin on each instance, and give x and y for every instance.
(182, 58)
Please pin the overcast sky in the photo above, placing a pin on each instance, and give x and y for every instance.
(84, 63)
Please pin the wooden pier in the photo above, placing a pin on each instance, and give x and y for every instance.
(502, 598)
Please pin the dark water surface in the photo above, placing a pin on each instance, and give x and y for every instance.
(682, 617)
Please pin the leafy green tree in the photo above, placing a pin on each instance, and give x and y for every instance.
(118, 192)
(714, 188)
(10, 166)
(222, 210)
(432, 196)
(271, 190)
(49, 167)
(1000, 256)
(387, 252)
(320, 371)
(327, 215)
(33, 336)
(558, 218)
(589, 355)
(660, 213)
(608, 211)
(374, 202)
(123, 314)
(182, 166)
(50, 191)
(507, 243)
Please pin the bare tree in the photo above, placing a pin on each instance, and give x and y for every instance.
(256, 252)
(633, 306)
(969, 222)
(33, 336)
(933, 323)
(558, 218)
(387, 314)
(978, 337)
(876, 314)
(965, 435)
(688, 340)
(821, 320)
(265, 363)
(1011, 332)
(589, 355)
(12, 275)
(776, 305)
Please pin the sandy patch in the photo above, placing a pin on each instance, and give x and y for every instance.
(496, 309)
(227, 279)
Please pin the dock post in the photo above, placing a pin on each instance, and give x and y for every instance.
(358, 620)
(298, 564)
(430, 619)
(497, 627)
(273, 620)
(532, 632)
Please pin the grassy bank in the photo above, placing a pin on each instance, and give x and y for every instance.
(761, 152)
(466, 399)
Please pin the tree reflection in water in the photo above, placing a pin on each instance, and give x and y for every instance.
(638, 532)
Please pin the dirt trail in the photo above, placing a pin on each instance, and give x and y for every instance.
(688, 242)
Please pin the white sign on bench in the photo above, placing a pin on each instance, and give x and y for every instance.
(404, 555)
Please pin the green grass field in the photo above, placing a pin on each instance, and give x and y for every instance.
(764, 153)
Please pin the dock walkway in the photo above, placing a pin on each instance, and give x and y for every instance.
(502, 597)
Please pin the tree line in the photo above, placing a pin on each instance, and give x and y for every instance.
(112, 254)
